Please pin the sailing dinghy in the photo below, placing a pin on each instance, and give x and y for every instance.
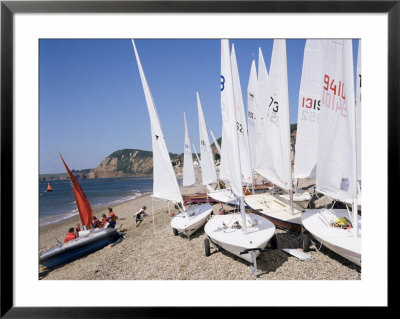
(49, 188)
(87, 242)
(272, 124)
(165, 184)
(245, 234)
(336, 172)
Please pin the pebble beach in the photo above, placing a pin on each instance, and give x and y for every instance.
(150, 251)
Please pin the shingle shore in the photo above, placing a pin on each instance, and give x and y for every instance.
(152, 252)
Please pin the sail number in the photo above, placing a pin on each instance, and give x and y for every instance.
(274, 116)
(330, 85)
(251, 115)
(311, 103)
(239, 127)
(333, 96)
(311, 106)
(275, 107)
(222, 82)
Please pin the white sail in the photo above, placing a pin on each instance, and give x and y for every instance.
(358, 111)
(261, 115)
(189, 177)
(274, 159)
(208, 172)
(252, 112)
(165, 184)
(216, 142)
(241, 126)
(308, 111)
(336, 155)
(224, 157)
(230, 141)
(197, 156)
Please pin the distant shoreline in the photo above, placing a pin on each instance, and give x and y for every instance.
(64, 176)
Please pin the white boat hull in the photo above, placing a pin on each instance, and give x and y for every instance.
(234, 240)
(195, 217)
(224, 196)
(298, 197)
(341, 241)
(279, 211)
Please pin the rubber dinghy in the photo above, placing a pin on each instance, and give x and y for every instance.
(87, 242)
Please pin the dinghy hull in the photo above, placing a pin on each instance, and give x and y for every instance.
(78, 247)
(195, 217)
(220, 231)
(224, 196)
(340, 241)
(277, 211)
(198, 198)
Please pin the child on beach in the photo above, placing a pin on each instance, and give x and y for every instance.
(139, 215)
(103, 221)
(96, 222)
(71, 235)
(110, 213)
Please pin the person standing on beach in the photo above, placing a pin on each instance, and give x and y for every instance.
(139, 215)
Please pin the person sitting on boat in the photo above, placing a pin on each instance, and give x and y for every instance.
(140, 214)
(110, 213)
(112, 221)
(96, 222)
(71, 235)
(103, 221)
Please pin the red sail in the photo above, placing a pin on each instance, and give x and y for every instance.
(84, 208)
(49, 189)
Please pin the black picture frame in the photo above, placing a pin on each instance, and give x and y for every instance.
(9, 8)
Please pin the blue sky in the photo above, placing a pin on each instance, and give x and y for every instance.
(91, 100)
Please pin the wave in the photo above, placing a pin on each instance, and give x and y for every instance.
(45, 221)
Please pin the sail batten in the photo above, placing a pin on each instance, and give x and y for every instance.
(165, 184)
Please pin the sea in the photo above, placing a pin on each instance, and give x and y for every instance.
(60, 204)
